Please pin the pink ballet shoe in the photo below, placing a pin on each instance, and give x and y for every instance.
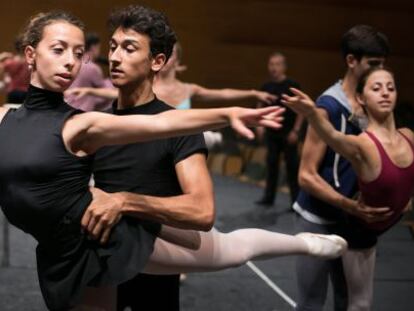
(323, 245)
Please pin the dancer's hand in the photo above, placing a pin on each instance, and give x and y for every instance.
(242, 118)
(5, 55)
(78, 92)
(292, 137)
(299, 102)
(370, 214)
(265, 97)
(102, 214)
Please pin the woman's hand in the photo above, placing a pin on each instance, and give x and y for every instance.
(299, 102)
(78, 92)
(242, 118)
(265, 97)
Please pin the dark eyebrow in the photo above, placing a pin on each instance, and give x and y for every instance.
(130, 41)
(64, 43)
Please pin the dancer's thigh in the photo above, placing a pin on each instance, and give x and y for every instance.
(359, 267)
(98, 299)
(186, 238)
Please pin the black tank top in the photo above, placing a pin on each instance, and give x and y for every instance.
(40, 181)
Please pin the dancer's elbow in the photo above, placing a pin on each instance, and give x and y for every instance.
(306, 179)
(206, 221)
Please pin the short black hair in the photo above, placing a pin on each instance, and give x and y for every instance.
(149, 22)
(91, 39)
(364, 40)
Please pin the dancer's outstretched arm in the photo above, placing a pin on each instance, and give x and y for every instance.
(86, 132)
(104, 92)
(347, 145)
(203, 94)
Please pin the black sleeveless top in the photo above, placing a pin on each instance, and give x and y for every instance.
(44, 191)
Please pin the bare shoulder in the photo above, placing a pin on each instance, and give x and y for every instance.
(365, 140)
(3, 111)
(408, 133)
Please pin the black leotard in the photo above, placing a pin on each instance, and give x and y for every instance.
(44, 191)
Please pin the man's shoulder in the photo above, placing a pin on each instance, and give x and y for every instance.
(292, 83)
(333, 97)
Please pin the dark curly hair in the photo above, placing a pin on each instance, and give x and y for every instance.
(146, 21)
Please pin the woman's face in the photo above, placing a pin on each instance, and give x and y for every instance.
(57, 58)
(379, 94)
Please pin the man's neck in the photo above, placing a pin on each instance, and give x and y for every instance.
(132, 96)
(278, 79)
(349, 84)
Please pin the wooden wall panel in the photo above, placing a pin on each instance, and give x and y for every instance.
(226, 43)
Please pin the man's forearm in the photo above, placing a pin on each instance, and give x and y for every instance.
(316, 186)
(187, 211)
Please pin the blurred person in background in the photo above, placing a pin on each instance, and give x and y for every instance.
(282, 141)
(90, 76)
(14, 75)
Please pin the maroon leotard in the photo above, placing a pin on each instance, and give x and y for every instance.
(392, 188)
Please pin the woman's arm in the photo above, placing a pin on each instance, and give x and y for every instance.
(346, 145)
(87, 132)
(208, 95)
(79, 92)
(3, 111)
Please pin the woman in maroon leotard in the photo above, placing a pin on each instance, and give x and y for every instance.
(383, 158)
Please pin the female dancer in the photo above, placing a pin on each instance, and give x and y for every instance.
(383, 159)
(45, 170)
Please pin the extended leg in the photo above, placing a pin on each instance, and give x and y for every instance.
(224, 250)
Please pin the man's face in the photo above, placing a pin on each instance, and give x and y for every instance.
(366, 62)
(276, 66)
(130, 60)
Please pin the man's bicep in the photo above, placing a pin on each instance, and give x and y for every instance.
(193, 175)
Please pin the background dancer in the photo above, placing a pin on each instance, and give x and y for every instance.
(383, 159)
(328, 182)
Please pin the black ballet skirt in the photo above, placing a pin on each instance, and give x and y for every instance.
(44, 191)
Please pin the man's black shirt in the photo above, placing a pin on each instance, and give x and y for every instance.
(278, 89)
(145, 168)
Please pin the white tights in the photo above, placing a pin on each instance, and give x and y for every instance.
(211, 251)
(359, 267)
(219, 251)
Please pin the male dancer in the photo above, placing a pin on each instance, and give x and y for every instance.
(174, 168)
(284, 140)
(328, 182)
